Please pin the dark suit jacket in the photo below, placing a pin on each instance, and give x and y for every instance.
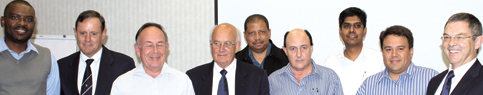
(470, 84)
(112, 65)
(249, 79)
(274, 61)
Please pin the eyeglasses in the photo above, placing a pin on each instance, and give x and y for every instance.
(348, 25)
(458, 38)
(217, 44)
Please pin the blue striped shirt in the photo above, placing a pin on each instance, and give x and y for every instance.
(321, 81)
(413, 82)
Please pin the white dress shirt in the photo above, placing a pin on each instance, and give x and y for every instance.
(230, 77)
(458, 74)
(94, 70)
(137, 82)
(353, 73)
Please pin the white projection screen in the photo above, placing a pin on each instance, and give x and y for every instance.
(425, 19)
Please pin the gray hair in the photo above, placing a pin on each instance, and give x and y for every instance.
(474, 23)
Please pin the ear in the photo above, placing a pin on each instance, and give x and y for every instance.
(365, 31)
(284, 50)
(75, 32)
(244, 35)
(269, 33)
(167, 46)
(137, 48)
(478, 42)
(3, 22)
(104, 32)
(411, 51)
(238, 44)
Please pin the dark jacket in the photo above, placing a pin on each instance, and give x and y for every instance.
(112, 65)
(470, 84)
(274, 61)
(249, 79)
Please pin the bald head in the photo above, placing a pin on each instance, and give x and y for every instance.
(298, 32)
(226, 27)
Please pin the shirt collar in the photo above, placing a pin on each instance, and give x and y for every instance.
(463, 68)
(96, 56)
(164, 70)
(409, 72)
(269, 48)
(362, 54)
(3, 46)
(228, 69)
(288, 71)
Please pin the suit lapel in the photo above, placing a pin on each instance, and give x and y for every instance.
(104, 74)
(207, 80)
(468, 80)
(240, 79)
(434, 84)
(72, 74)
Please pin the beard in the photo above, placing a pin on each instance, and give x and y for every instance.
(10, 37)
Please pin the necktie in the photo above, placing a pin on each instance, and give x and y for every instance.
(447, 84)
(87, 80)
(223, 85)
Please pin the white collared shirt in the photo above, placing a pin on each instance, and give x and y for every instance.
(458, 74)
(94, 69)
(137, 82)
(230, 77)
(353, 73)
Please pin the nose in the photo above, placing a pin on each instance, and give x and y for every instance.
(222, 48)
(352, 28)
(394, 53)
(452, 41)
(21, 22)
(257, 36)
(298, 53)
(88, 37)
(156, 49)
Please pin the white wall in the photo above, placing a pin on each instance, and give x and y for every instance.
(425, 19)
(187, 23)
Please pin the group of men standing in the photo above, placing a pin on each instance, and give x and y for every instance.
(261, 68)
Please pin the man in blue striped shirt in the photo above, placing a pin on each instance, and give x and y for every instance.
(401, 76)
(302, 76)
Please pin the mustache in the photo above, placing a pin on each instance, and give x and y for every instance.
(258, 41)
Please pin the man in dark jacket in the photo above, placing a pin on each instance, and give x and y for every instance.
(260, 51)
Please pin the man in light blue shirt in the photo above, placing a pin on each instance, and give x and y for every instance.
(401, 76)
(302, 76)
(25, 68)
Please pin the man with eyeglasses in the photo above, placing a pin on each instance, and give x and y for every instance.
(360, 60)
(401, 76)
(226, 75)
(461, 41)
(302, 76)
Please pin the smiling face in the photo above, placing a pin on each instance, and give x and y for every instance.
(396, 54)
(352, 31)
(257, 36)
(225, 36)
(18, 22)
(298, 50)
(89, 36)
(460, 51)
(152, 47)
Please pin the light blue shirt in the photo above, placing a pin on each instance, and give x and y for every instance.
(413, 82)
(321, 81)
(53, 80)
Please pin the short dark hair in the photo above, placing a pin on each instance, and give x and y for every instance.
(17, 1)
(398, 31)
(474, 23)
(149, 24)
(352, 11)
(254, 18)
(91, 14)
(286, 34)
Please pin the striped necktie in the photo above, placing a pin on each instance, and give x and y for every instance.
(87, 80)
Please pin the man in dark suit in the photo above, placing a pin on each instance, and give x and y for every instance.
(93, 69)
(225, 75)
(461, 41)
(260, 50)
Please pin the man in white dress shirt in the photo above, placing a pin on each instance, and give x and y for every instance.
(355, 62)
(153, 76)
